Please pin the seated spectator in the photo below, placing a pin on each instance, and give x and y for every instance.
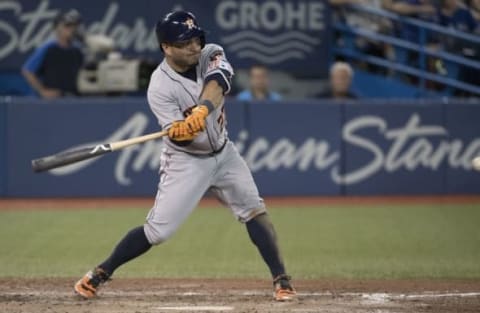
(341, 75)
(454, 14)
(53, 68)
(474, 6)
(419, 9)
(259, 86)
(341, 11)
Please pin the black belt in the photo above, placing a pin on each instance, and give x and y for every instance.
(213, 153)
(210, 154)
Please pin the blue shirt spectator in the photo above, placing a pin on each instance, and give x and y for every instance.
(421, 9)
(259, 86)
(475, 10)
(247, 95)
(453, 14)
(53, 68)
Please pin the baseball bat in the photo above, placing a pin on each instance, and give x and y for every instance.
(72, 156)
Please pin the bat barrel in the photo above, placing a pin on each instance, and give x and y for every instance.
(72, 156)
(68, 157)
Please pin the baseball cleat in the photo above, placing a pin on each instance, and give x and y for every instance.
(87, 286)
(283, 290)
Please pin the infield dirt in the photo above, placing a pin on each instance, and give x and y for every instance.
(239, 295)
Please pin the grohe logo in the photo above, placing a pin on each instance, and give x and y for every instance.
(271, 32)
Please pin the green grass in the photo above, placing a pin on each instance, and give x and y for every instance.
(397, 241)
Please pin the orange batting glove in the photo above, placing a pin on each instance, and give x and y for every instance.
(196, 120)
(179, 131)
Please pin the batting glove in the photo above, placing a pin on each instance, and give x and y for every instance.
(179, 131)
(196, 120)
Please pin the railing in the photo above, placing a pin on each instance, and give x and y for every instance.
(454, 61)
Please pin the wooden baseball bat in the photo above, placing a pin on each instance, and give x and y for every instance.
(72, 156)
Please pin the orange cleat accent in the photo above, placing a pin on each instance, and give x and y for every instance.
(87, 286)
(283, 290)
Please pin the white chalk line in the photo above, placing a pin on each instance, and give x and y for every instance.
(363, 295)
(443, 295)
(196, 308)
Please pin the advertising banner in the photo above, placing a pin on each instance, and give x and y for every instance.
(285, 35)
(292, 148)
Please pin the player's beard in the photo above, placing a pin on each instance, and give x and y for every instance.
(186, 62)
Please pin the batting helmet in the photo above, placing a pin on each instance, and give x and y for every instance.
(178, 26)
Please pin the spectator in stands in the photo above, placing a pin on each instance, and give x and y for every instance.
(341, 75)
(474, 6)
(53, 68)
(423, 10)
(366, 22)
(455, 15)
(419, 9)
(259, 86)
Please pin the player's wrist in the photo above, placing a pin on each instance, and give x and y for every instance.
(208, 105)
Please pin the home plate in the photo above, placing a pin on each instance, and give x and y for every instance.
(196, 308)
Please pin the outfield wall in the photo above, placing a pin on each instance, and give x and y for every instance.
(293, 148)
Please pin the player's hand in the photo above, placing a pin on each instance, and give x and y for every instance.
(196, 120)
(179, 131)
(50, 93)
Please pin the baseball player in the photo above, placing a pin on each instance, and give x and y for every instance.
(186, 94)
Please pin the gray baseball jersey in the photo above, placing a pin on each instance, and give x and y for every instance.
(171, 97)
(210, 162)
